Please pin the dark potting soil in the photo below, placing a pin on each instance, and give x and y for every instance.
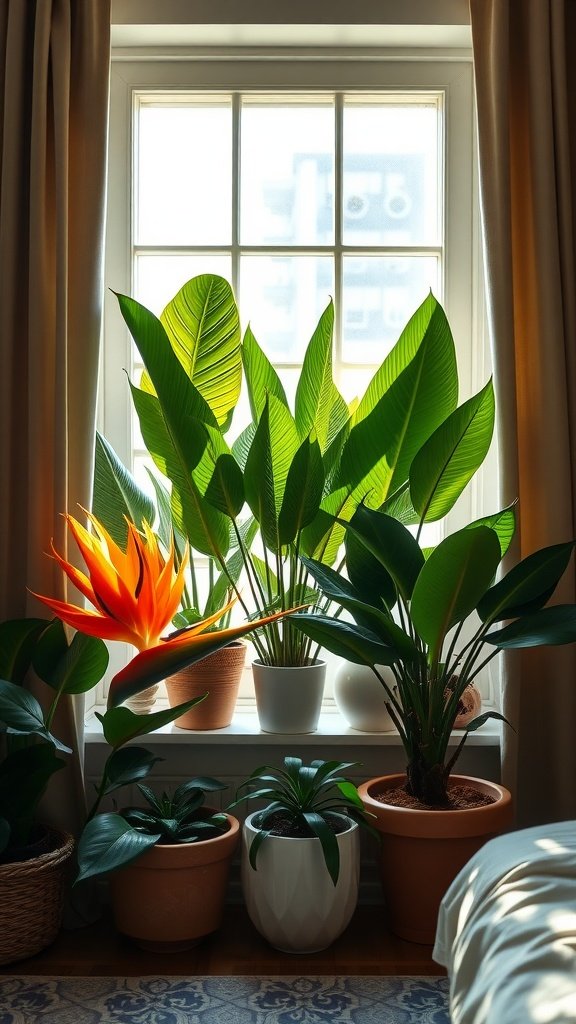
(460, 798)
(281, 824)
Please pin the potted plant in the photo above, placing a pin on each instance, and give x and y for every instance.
(301, 473)
(35, 857)
(411, 612)
(301, 853)
(169, 862)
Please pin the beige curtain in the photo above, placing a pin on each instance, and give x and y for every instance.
(525, 72)
(54, 73)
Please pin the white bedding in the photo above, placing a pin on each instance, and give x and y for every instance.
(507, 930)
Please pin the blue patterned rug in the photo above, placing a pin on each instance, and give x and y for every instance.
(230, 1000)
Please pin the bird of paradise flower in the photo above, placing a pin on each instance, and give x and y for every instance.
(135, 594)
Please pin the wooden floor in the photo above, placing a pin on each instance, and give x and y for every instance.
(365, 948)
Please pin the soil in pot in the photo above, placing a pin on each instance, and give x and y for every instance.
(460, 798)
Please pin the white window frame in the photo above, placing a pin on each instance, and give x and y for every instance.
(294, 70)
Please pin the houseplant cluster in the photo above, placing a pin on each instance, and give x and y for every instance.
(312, 522)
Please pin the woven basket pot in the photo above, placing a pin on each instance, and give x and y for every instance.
(218, 675)
(32, 900)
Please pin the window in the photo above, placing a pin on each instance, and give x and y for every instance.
(297, 178)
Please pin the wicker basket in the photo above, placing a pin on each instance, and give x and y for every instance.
(32, 900)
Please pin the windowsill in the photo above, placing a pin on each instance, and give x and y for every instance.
(245, 729)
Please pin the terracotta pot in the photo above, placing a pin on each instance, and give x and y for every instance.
(289, 698)
(172, 896)
(290, 897)
(219, 674)
(422, 851)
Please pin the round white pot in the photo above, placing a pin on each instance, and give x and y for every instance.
(291, 898)
(288, 700)
(360, 697)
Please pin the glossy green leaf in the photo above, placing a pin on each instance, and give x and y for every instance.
(108, 843)
(70, 668)
(261, 377)
(21, 714)
(428, 324)
(528, 586)
(391, 544)
(328, 841)
(302, 491)
(203, 326)
(355, 643)
(319, 406)
(242, 445)
(274, 446)
(219, 477)
(451, 583)
(547, 627)
(452, 455)
(116, 494)
(18, 638)
(503, 523)
(128, 765)
(121, 725)
(24, 776)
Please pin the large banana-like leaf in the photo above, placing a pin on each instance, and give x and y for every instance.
(261, 377)
(528, 586)
(546, 627)
(203, 326)
(108, 843)
(391, 544)
(451, 583)
(117, 495)
(503, 523)
(275, 444)
(319, 405)
(192, 514)
(303, 491)
(428, 323)
(451, 456)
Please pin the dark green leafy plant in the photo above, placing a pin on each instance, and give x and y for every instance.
(307, 798)
(32, 751)
(113, 840)
(409, 613)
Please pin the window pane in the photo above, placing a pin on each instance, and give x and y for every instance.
(282, 298)
(287, 175)
(380, 293)
(184, 161)
(390, 175)
(158, 278)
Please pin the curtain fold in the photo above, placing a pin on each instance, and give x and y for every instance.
(54, 80)
(526, 100)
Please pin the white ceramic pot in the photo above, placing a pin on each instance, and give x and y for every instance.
(288, 700)
(291, 898)
(360, 697)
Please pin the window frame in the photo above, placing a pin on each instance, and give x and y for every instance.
(306, 71)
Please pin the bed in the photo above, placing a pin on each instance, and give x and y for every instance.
(507, 930)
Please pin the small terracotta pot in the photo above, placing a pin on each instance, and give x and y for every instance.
(422, 851)
(172, 896)
(219, 675)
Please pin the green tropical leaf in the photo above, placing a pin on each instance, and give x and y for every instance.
(528, 586)
(391, 544)
(547, 627)
(328, 841)
(242, 445)
(451, 456)
(319, 406)
(21, 714)
(116, 494)
(18, 638)
(428, 324)
(302, 492)
(108, 843)
(274, 446)
(261, 377)
(451, 583)
(120, 725)
(24, 776)
(128, 765)
(70, 668)
(354, 643)
(166, 529)
(203, 326)
(503, 523)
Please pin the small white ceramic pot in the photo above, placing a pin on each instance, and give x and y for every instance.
(360, 697)
(288, 700)
(291, 898)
